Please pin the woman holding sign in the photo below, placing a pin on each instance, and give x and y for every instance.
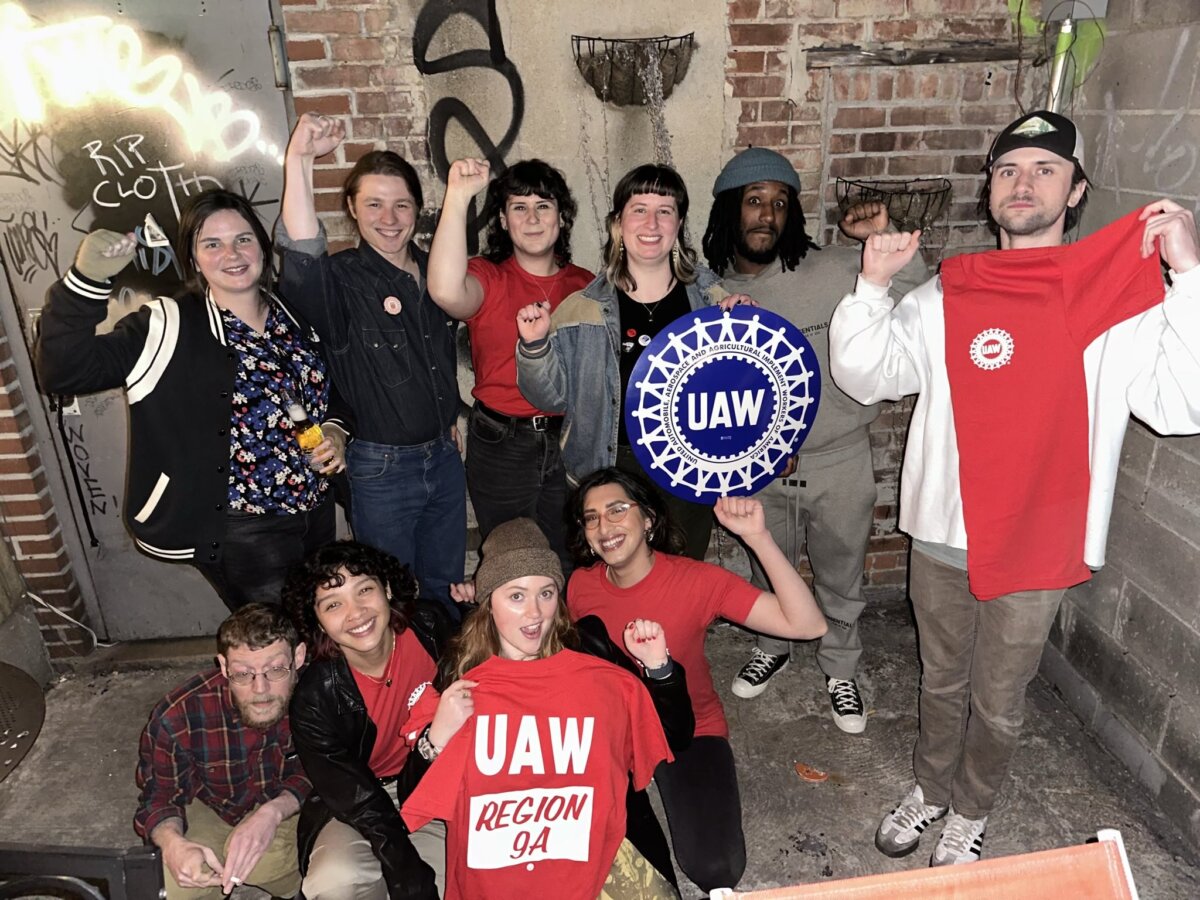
(578, 360)
(218, 380)
(620, 527)
(534, 743)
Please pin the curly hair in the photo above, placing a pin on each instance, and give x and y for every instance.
(983, 208)
(327, 567)
(479, 640)
(256, 626)
(648, 179)
(662, 535)
(724, 232)
(521, 179)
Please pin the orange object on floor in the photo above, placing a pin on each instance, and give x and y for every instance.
(1097, 871)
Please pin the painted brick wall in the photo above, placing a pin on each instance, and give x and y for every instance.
(1126, 648)
(865, 123)
(29, 523)
(354, 59)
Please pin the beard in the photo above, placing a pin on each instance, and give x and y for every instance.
(768, 254)
(262, 717)
(1034, 221)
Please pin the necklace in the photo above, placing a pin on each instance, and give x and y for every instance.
(537, 282)
(386, 679)
(652, 308)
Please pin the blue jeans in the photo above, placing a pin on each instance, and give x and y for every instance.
(412, 502)
(514, 471)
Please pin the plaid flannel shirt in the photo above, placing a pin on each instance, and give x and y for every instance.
(195, 747)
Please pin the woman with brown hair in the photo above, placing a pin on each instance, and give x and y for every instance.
(217, 478)
(578, 361)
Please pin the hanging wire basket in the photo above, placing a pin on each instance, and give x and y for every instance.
(919, 203)
(616, 68)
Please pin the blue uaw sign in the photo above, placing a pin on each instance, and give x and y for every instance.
(719, 401)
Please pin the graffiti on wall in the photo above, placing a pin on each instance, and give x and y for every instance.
(493, 58)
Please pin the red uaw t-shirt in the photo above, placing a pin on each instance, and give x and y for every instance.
(506, 288)
(1017, 323)
(532, 787)
(685, 597)
(411, 670)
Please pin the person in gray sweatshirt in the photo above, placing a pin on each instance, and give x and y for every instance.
(825, 498)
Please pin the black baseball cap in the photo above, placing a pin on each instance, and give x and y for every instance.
(1040, 128)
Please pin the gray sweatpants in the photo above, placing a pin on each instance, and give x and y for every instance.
(828, 504)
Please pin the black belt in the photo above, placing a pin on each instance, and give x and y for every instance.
(533, 423)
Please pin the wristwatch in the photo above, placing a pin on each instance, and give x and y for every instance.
(425, 747)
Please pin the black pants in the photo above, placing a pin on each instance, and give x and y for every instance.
(693, 520)
(704, 812)
(514, 471)
(258, 551)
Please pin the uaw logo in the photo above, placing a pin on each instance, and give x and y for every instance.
(719, 401)
(992, 348)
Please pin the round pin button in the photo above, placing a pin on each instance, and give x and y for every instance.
(391, 305)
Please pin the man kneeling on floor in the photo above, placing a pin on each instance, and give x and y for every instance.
(220, 781)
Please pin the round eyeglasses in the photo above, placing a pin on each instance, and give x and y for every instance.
(614, 514)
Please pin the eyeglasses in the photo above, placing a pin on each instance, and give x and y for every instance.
(275, 673)
(614, 514)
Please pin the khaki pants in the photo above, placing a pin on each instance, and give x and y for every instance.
(343, 866)
(277, 871)
(633, 878)
(977, 659)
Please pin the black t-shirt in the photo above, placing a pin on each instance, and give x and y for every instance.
(639, 323)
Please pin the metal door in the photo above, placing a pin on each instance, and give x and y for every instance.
(110, 111)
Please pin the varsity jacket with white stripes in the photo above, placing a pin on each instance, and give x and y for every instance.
(178, 372)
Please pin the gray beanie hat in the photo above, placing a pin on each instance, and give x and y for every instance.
(516, 549)
(756, 164)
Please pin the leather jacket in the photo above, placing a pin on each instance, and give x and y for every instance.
(334, 737)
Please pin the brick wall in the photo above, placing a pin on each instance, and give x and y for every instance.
(30, 526)
(354, 59)
(1126, 648)
(874, 122)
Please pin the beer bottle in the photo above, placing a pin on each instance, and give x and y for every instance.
(308, 433)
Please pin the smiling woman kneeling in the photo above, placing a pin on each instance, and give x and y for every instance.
(374, 647)
(534, 742)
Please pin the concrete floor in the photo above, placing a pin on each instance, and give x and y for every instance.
(76, 785)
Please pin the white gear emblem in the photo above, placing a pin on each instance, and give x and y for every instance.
(992, 348)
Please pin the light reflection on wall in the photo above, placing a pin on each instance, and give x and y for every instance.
(69, 63)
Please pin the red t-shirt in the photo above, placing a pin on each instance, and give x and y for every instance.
(411, 670)
(506, 288)
(1017, 323)
(685, 597)
(532, 787)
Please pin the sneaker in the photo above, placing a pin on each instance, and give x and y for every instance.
(848, 711)
(752, 680)
(961, 841)
(900, 831)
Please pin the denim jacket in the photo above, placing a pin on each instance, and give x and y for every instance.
(576, 371)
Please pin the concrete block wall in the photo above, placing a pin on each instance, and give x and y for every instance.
(1126, 648)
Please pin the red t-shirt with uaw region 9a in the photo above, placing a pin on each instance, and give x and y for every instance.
(1017, 323)
(506, 288)
(532, 787)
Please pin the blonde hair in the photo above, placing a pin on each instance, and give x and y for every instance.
(479, 641)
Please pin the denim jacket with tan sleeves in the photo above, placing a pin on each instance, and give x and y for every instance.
(576, 370)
